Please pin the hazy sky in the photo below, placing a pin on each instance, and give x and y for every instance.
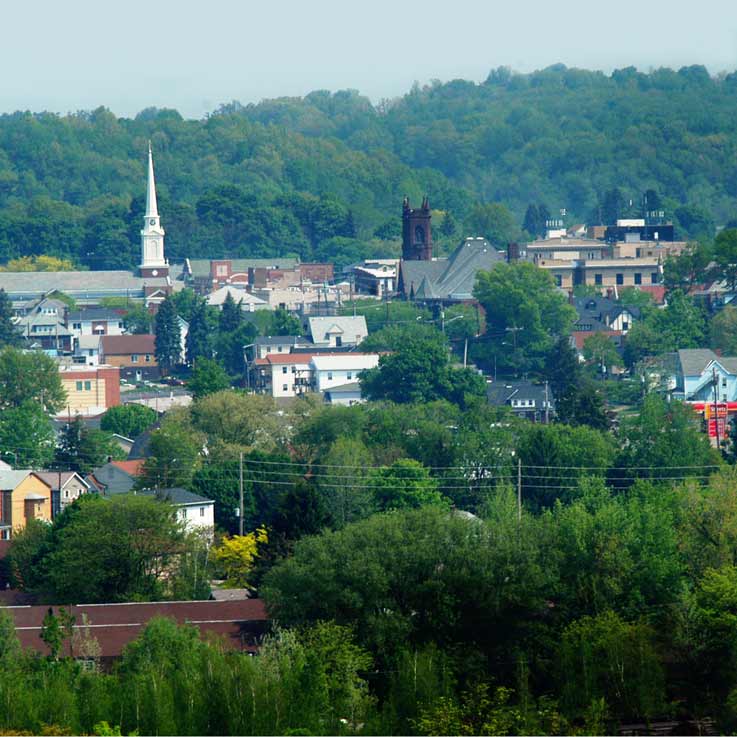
(67, 55)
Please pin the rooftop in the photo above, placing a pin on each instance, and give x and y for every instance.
(112, 345)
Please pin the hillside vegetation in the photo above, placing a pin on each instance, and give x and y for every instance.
(323, 176)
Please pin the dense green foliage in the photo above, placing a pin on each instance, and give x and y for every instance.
(322, 176)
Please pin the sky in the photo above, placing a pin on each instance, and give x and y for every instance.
(80, 54)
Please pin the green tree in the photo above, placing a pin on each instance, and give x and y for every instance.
(284, 323)
(600, 353)
(531, 223)
(9, 333)
(137, 320)
(723, 331)
(128, 420)
(495, 222)
(230, 316)
(175, 453)
(555, 457)
(583, 403)
(725, 255)
(198, 335)
(687, 270)
(27, 436)
(208, 377)
(30, 376)
(406, 484)
(168, 336)
(420, 371)
(561, 367)
(663, 441)
(82, 448)
(606, 657)
(135, 539)
(525, 314)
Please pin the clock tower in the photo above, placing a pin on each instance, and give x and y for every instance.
(153, 262)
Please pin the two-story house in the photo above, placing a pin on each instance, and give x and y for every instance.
(529, 401)
(95, 321)
(24, 496)
(336, 331)
(135, 355)
(43, 326)
(337, 369)
(66, 488)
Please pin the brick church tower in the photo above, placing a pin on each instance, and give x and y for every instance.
(416, 232)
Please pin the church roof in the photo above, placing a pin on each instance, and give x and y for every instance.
(451, 278)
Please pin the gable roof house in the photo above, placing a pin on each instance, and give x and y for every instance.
(95, 321)
(24, 496)
(529, 401)
(135, 355)
(66, 488)
(695, 370)
(451, 279)
(604, 311)
(43, 326)
(337, 331)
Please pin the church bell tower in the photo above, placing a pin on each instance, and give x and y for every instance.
(153, 262)
(416, 231)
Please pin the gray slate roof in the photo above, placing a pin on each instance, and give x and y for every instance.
(99, 313)
(180, 497)
(452, 278)
(347, 326)
(33, 283)
(502, 392)
(693, 361)
(9, 479)
(115, 479)
(280, 340)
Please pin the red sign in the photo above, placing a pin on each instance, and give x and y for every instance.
(722, 428)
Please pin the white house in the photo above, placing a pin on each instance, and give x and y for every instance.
(337, 369)
(337, 331)
(95, 321)
(345, 394)
(284, 374)
(197, 512)
(87, 350)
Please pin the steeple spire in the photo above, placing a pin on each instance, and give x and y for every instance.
(151, 208)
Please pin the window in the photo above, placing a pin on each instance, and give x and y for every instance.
(284, 387)
(279, 349)
(654, 277)
(724, 381)
(202, 511)
(338, 341)
(625, 325)
(419, 234)
(638, 278)
(120, 325)
(79, 386)
(76, 325)
(349, 376)
(597, 280)
(134, 358)
(147, 358)
(620, 279)
(284, 369)
(330, 375)
(88, 386)
(558, 280)
(222, 270)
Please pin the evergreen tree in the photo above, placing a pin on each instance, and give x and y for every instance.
(230, 317)
(198, 337)
(82, 448)
(448, 225)
(9, 334)
(168, 336)
(532, 220)
(543, 215)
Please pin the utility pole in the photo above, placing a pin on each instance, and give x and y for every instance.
(519, 490)
(240, 506)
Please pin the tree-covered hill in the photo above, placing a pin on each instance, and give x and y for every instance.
(319, 176)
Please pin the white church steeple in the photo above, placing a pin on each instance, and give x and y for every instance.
(153, 262)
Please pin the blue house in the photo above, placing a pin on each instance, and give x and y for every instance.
(695, 371)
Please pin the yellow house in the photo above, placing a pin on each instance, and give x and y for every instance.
(23, 496)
